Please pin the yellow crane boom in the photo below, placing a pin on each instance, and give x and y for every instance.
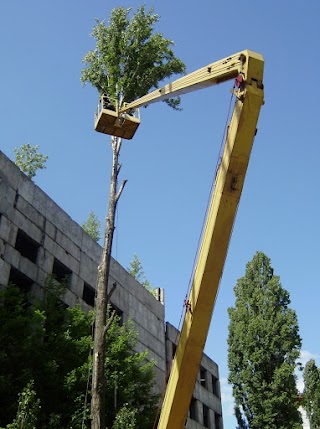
(247, 67)
(213, 74)
(212, 254)
(121, 124)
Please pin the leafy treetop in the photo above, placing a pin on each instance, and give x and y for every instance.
(129, 58)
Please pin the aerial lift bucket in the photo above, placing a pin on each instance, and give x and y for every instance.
(108, 121)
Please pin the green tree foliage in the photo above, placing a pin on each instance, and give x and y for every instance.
(50, 344)
(29, 159)
(44, 342)
(129, 58)
(311, 393)
(136, 270)
(21, 331)
(28, 409)
(92, 226)
(264, 344)
(126, 418)
(130, 378)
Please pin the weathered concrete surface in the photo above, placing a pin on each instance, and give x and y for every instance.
(25, 207)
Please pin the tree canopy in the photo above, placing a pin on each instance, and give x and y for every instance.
(130, 58)
(46, 357)
(92, 226)
(264, 344)
(29, 159)
(137, 272)
(311, 393)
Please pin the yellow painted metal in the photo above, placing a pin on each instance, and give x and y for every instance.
(228, 187)
(109, 122)
(212, 254)
(245, 62)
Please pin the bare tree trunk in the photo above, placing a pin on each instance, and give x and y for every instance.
(101, 323)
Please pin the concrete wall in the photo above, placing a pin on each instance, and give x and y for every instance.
(25, 207)
(38, 238)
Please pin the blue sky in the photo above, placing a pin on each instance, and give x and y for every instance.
(171, 161)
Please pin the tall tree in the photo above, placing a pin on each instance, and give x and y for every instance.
(264, 344)
(29, 159)
(311, 393)
(51, 345)
(129, 59)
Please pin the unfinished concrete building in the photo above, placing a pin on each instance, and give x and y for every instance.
(37, 239)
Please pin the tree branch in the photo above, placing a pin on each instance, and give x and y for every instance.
(120, 190)
(111, 291)
(110, 320)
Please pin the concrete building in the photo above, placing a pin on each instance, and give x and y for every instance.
(205, 408)
(37, 239)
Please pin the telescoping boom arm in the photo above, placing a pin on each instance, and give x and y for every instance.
(123, 124)
(217, 233)
(229, 68)
(247, 68)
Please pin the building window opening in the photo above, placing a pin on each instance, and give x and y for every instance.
(20, 280)
(205, 416)
(203, 375)
(119, 313)
(174, 350)
(217, 420)
(88, 294)
(61, 272)
(26, 246)
(193, 409)
(215, 385)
